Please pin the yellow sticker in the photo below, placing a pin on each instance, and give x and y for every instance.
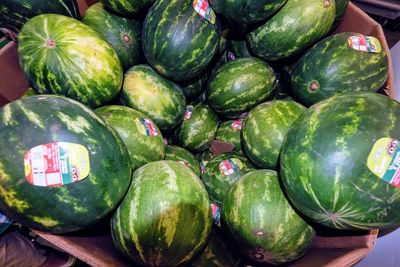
(365, 43)
(203, 8)
(57, 163)
(384, 160)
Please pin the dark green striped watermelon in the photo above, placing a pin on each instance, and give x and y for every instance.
(195, 87)
(183, 156)
(198, 128)
(60, 55)
(62, 167)
(340, 162)
(229, 132)
(177, 41)
(15, 13)
(265, 128)
(165, 218)
(336, 65)
(123, 34)
(246, 12)
(128, 8)
(257, 215)
(238, 48)
(160, 99)
(139, 133)
(297, 25)
(341, 6)
(240, 85)
(222, 171)
(204, 157)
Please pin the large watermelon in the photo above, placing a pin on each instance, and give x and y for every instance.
(178, 41)
(63, 56)
(222, 171)
(15, 13)
(123, 34)
(339, 162)
(246, 12)
(264, 129)
(183, 156)
(160, 99)
(239, 85)
(165, 218)
(339, 64)
(62, 168)
(297, 25)
(198, 128)
(257, 215)
(128, 8)
(139, 133)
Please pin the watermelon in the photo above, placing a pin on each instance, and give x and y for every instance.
(239, 85)
(204, 157)
(61, 55)
(222, 171)
(238, 48)
(198, 128)
(160, 99)
(339, 162)
(183, 156)
(265, 128)
(178, 41)
(139, 133)
(128, 8)
(336, 65)
(165, 218)
(257, 215)
(123, 34)
(297, 25)
(341, 6)
(246, 12)
(62, 167)
(195, 87)
(15, 13)
(229, 132)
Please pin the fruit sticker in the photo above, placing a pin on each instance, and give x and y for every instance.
(230, 166)
(146, 127)
(188, 113)
(365, 43)
(216, 211)
(56, 164)
(237, 125)
(203, 8)
(384, 160)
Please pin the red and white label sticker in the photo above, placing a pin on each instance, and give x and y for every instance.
(230, 166)
(365, 43)
(188, 113)
(146, 127)
(237, 125)
(56, 164)
(203, 8)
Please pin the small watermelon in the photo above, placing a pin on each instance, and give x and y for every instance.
(183, 156)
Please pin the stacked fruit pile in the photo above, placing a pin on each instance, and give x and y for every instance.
(131, 97)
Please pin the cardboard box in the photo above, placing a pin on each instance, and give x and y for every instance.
(98, 250)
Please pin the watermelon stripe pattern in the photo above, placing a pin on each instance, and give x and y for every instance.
(165, 218)
(325, 167)
(292, 29)
(229, 132)
(183, 156)
(128, 8)
(60, 55)
(177, 42)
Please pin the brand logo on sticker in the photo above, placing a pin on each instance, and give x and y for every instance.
(188, 113)
(203, 8)
(365, 43)
(384, 160)
(237, 125)
(216, 212)
(230, 166)
(56, 164)
(146, 127)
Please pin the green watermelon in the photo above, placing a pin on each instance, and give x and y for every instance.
(229, 132)
(297, 25)
(62, 167)
(336, 65)
(339, 162)
(238, 48)
(60, 55)
(178, 41)
(123, 34)
(128, 8)
(257, 215)
(195, 87)
(222, 171)
(165, 218)
(183, 156)
(15, 13)
(341, 6)
(198, 128)
(204, 157)
(246, 12)
(140, 134)
(265, 128)
(239, 85)
(160, 99)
